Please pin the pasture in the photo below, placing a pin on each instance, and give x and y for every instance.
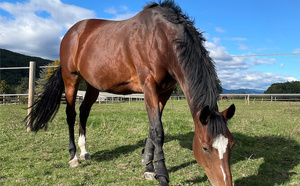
(266, 151)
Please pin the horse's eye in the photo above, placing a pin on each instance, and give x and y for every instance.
(205, 149)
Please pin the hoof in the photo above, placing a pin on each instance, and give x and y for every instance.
(149, 175)
(85, 156)
(162, 181)
(74, 162)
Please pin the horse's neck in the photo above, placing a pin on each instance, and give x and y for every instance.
(181, 78)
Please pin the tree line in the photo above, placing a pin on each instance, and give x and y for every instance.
(16, 81)
(284, 88)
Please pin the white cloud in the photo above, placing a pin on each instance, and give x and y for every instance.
(297, 50)
(223, 59)
(27, 32)
(219, 29)
(243, 47)
(265, 48)
(236, 39)
(281, 65)
(121, 13)
(215, 49)
(111, 10)
(262, 61)
(205, 34)
(36, 27)
(251, 79)
(236, 73)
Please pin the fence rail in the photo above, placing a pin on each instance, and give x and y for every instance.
(105, 97)
(13, 99)
(261, 97)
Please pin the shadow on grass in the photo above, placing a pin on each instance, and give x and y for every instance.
(107, 155)
(280, 156)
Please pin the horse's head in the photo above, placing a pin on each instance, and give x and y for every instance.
(212, 144)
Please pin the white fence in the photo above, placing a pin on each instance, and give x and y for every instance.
(107, 97)
(261, 97)
(13, 99)
(104, 97)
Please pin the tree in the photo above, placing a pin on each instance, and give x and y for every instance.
(41, 82)
(220, 88)
(4, 87)
(177, 89)
(12, 59)
(51, 70)
(284, 88)
(45, 75)
(22, 88)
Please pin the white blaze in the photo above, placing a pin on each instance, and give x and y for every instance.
(220, 143)
(224, 175)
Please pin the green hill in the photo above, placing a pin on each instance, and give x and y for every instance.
(12, 59)
(284, 88)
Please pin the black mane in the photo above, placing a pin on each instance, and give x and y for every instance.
(194, 58)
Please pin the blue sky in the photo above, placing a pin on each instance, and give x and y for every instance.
(236, 27)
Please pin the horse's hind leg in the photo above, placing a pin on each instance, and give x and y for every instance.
(89, 99)
(71, 86)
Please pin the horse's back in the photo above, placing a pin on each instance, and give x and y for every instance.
(113, 55)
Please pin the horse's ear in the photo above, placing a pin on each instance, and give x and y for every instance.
(204, 115)
(228, 113)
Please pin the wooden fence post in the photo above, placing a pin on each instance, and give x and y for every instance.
(32, 67)
(99, 97)
(248, 99)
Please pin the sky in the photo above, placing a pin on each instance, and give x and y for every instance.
(231, 28)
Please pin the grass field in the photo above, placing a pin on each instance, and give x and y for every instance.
(266, 152)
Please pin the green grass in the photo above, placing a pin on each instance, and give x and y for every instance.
(266, 152)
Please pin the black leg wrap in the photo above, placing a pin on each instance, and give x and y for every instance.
(161, 173)
(149, 167)
(159, 156)
(149, 172)
(147, 159)
(148, 152)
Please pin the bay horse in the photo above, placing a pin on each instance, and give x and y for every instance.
(148, 53)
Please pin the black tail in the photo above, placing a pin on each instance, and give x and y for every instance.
(47, 105)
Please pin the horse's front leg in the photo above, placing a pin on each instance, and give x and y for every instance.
(156, 133)
(156, 137)
(147, 159)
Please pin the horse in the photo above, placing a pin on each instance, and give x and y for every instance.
(147, 53)
(223, 97)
